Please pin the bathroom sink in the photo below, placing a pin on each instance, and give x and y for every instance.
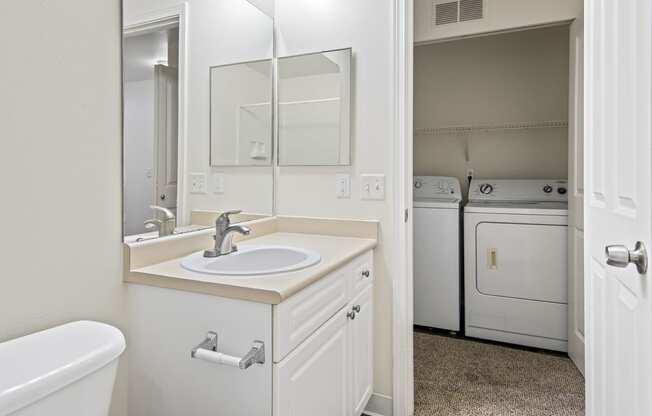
(253, 261)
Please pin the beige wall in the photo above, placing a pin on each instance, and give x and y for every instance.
(60, 164)
(515, 77)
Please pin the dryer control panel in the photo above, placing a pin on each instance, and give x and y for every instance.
(437, 187)
(518, 190)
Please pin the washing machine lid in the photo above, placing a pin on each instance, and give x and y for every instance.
(440, 203)
(518, 208)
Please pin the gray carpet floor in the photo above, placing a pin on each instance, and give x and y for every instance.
(460, 377)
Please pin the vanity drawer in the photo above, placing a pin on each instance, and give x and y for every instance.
(362, 273)
(302, 314)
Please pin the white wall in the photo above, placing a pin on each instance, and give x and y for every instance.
(60, 166)
(219, 32)
(138, 154)
(366, 26)
(498, 15)
(514, 77)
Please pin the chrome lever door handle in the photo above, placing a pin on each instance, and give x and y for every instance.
(621, 256)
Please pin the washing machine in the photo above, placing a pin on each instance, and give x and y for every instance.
(516, 250)
(437, 267)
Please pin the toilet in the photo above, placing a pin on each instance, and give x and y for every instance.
(68, 370)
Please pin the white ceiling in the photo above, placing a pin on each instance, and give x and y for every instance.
(142, 52)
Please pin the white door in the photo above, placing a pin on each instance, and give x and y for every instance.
(576, 328)
(617, 204)
(362, 349)
(167, 135)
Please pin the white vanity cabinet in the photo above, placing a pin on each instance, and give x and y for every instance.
(330, 372)
(318, 350)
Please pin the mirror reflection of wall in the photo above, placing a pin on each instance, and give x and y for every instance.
(150, 126)
(166, 148)
(241, 114)
(314, 109)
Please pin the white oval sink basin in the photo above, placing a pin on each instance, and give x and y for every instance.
(253, 261)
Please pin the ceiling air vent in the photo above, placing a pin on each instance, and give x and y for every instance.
(445, 11)
(470, 10)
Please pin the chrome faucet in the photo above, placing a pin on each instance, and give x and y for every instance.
(165, 221)
(224, 233)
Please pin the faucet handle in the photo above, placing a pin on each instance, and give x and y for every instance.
(167, 214)
(224, 217)
(153, 224)
(232, 212)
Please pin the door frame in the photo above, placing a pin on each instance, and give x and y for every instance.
(402, 168)
(154, 21)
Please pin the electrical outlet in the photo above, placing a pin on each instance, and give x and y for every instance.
(197, 183)
(470, 173)
(218, 183)
(343, 185)
(372, 187)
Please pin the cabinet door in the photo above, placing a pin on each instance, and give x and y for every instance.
(313, 379)
(362, 350)
(165, 325)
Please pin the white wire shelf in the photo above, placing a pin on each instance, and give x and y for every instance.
(483, 128)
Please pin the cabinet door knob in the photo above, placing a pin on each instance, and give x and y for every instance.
(351, 315)
(356, 309)
(365, 273)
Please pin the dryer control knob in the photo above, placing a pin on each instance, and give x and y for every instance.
(547, 189)
(561, 190)
(486, 188)
(418, 184)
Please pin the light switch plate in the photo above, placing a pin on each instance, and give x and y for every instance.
(197, 183)
(218, 183)
(343, 185)
(372, 187)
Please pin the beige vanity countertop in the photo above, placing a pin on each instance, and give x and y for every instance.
(335, 252)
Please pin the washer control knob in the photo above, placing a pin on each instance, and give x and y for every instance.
(561, 190)
(418, 184)
(547, 189)
(486, 188)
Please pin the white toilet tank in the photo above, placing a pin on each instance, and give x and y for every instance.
(68, 370)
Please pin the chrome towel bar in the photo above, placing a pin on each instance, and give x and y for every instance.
(207, 351)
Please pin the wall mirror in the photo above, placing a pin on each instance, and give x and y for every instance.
(197, 76)
(314, 104)
(241, 114)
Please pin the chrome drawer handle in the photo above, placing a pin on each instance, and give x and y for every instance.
(351, 315)
(366, 273)
(356, 309)
(207, 351)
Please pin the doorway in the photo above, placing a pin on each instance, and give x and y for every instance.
(151, 125)
(498, 110)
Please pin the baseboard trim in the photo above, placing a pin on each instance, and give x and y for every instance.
(379, 405)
